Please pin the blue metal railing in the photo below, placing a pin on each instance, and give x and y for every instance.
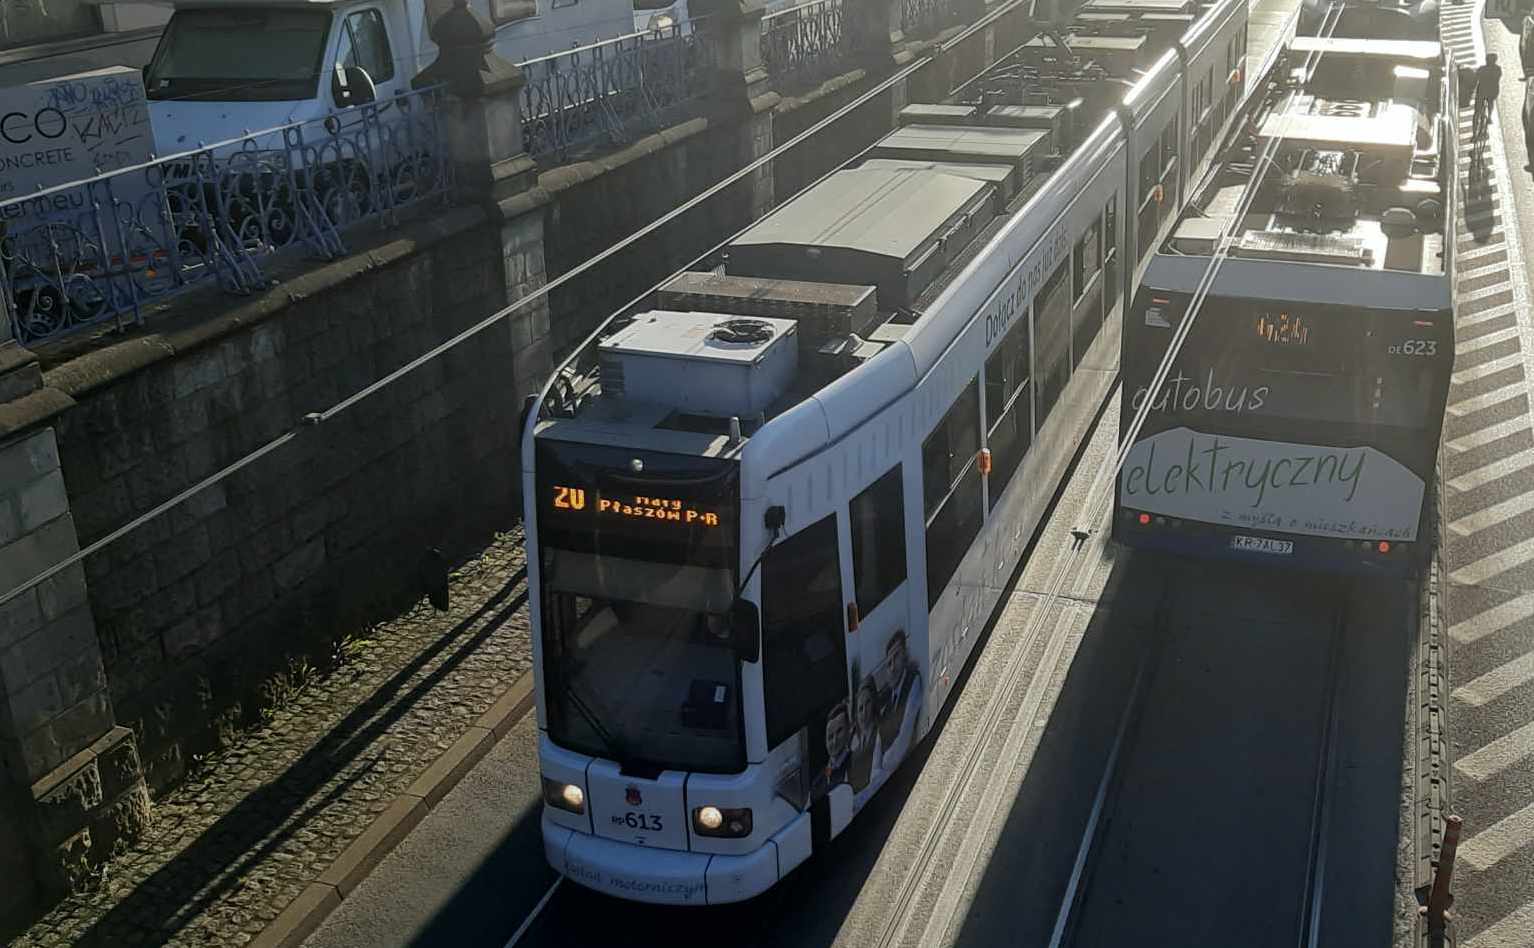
(95, 252)
(609, 93)
(924, 17)
(805, 43)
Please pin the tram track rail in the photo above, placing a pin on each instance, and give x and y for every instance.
(1064, 928)
(1308, 931)
(1067, 582)
(1321, 800)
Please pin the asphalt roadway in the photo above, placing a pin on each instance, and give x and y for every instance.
(1205, 836)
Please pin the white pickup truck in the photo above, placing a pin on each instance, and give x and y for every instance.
(227, 67)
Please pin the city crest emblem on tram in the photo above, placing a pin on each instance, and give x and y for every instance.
(631, 796)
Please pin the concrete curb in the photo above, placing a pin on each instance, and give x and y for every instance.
(323, 896)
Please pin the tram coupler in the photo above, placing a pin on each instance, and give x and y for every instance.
(1435, 912)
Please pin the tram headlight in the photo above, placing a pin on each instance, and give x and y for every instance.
(564, 796)
(721, 822)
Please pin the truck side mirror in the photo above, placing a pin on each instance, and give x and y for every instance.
(351, 85)
(746, 630)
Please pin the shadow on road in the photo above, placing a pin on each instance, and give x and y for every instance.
(1477, 194)
(218, 861)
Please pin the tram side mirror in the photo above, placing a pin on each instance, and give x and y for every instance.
(746, 630)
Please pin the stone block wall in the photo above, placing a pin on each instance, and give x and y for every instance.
(49, 672)
(69, 778)
(595, 203)
(196, 608)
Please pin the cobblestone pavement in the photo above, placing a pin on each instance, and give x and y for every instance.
(236, 843)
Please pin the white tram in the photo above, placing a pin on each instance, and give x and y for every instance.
(767, 521)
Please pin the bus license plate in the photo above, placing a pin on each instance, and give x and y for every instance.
(1262, 545)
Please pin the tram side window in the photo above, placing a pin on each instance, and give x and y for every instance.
(1111, 253)
(804, 657)
(950, 448)
(878, 540)
(1008, 407)
(1085, 260)
(952, 489)
(1150, 217)
(1150, 167)
(1169, 164)
(1216, 103)
(1051, 320)
(952, 531)
(1086, 316)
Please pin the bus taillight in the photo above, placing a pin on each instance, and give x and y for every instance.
(1144, 519)
(1384, 546)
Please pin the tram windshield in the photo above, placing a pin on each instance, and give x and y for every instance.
(638, 572)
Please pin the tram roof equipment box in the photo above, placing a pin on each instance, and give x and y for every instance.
(1003, 177)
(1048, 118)
(1140, 6)
(924, 114)
(823, 310)
(1019, 147)
(892, 228)
(681, 361)
(1120, 55)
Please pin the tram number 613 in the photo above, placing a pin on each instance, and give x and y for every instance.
(638, 821)
(1415, 347)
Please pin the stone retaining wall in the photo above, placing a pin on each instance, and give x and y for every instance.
(196, 608)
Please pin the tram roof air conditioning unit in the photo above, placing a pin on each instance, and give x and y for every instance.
(701, 363)
(1303, 247)
(822, 310)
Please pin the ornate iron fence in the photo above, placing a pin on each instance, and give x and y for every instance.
(806, 43)
(96, 251)
(924, 17)
(606, 93)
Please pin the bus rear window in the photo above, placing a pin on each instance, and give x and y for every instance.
(1332, 364)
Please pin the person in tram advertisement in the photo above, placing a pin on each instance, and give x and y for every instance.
(838, 738)
(900, 693)
(865, 755)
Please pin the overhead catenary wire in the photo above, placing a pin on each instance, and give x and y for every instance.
(318, 417)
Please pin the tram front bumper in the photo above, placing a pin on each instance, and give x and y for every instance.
(663, 876)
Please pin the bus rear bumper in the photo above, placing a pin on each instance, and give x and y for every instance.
(1327, 556)
(661, 876)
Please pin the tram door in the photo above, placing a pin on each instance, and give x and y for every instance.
(804, 667)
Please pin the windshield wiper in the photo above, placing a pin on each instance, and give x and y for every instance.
(610, 743)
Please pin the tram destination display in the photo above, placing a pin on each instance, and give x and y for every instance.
(641, 505)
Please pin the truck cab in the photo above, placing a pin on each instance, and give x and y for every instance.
(225, 68)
